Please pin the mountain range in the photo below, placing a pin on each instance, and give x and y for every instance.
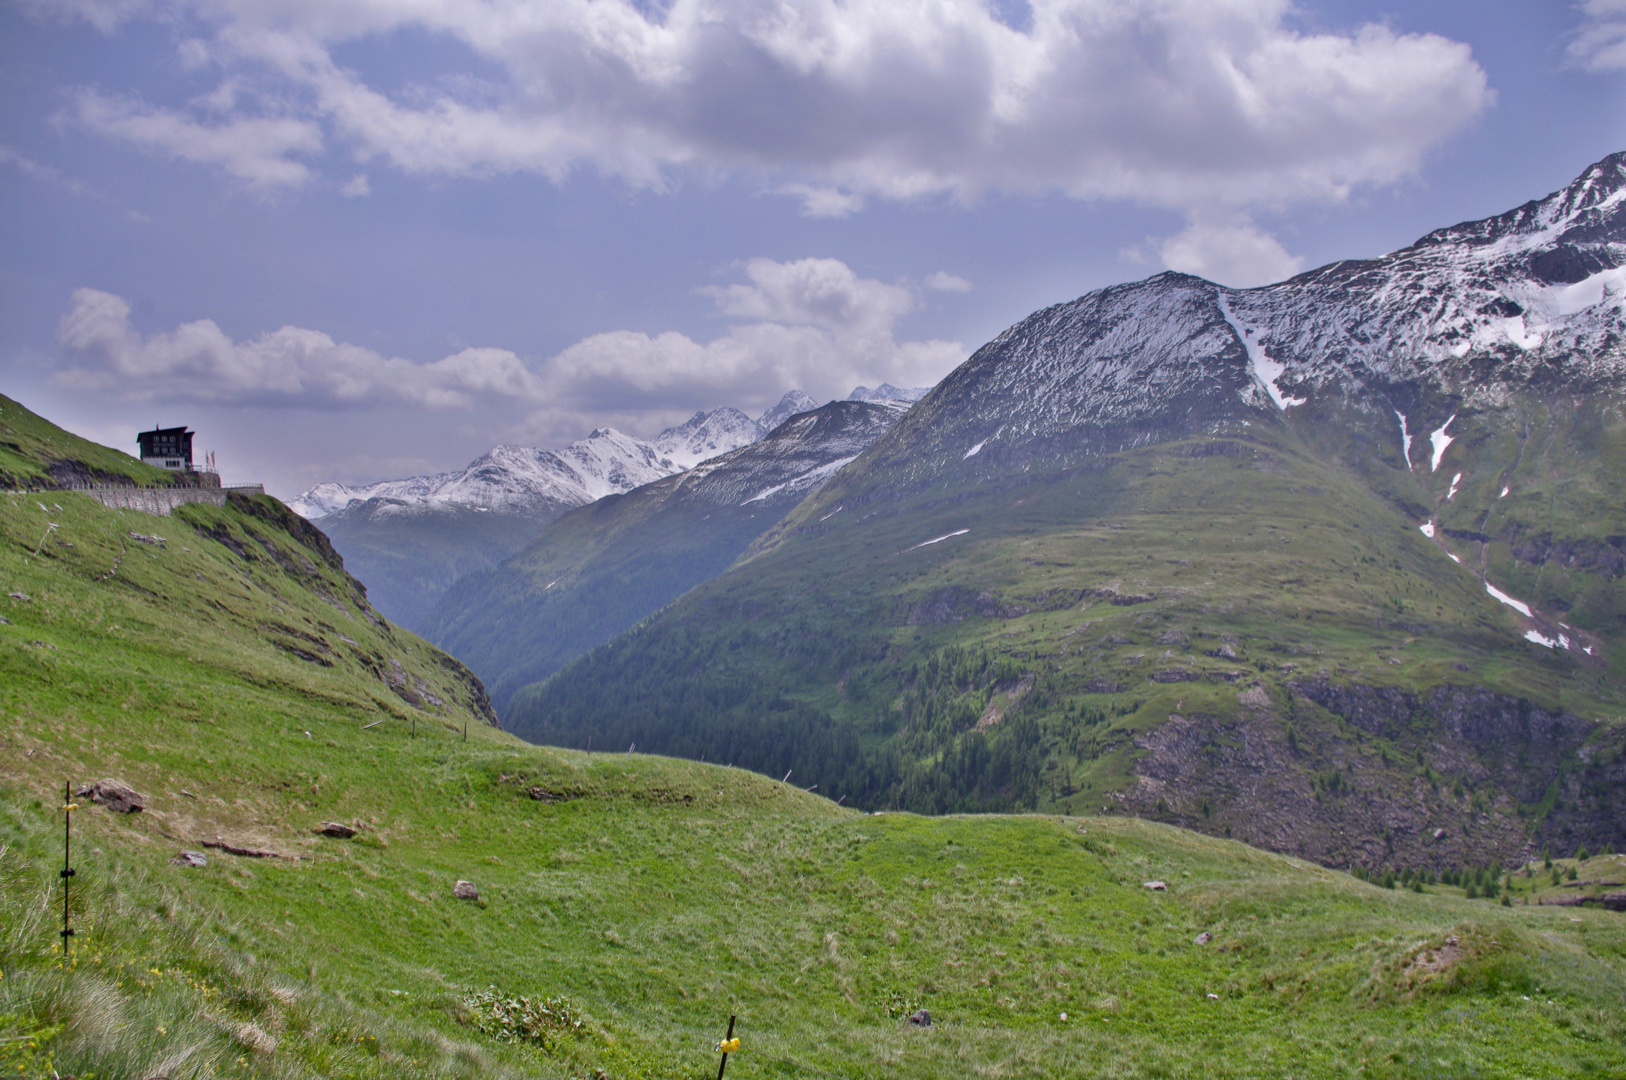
(410, 539)
(1333, 565)
(597, 570)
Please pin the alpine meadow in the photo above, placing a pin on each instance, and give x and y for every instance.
(1196, 682)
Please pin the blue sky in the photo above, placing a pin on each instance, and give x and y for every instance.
(364, 240)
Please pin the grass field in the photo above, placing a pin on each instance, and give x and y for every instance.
(235, 677)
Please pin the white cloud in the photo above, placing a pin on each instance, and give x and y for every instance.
(822, 201)
(1600, 44)
(811, 324)
(198, 361)
(357, 187)
(1235, 253)
(1172, 103)
(259, 150)
(943, 281)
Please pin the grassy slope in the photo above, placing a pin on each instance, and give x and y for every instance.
(31, 445)
(658, 895)
(1304, 563)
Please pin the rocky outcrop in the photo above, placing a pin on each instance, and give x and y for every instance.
(1447, 777)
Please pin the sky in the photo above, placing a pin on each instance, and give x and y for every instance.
(365, 240)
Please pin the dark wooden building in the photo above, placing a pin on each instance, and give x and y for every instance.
(167, 448)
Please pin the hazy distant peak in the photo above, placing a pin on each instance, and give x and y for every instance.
(792, 403)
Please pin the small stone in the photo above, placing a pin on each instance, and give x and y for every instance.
(1213, 997)
(466, 890)
(117, 797)
(1439, 834)
(920, 1018)
(1156, 886)
(1203, 938)
(19, 596)
(336, 829)
(191, 858)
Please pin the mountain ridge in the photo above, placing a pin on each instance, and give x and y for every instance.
(1250, 561)
(600, 568)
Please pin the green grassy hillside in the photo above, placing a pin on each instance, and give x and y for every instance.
(35, 453)
(628, 904)
(1245, 633)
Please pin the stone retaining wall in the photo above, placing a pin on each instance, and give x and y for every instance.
(161, 501)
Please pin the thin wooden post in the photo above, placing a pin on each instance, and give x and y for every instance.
(67, 861)
(721, 1065)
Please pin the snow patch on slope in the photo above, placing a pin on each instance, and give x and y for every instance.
(1265, 370)
(1441, 442)
(812, 476)
(937, 539)
(1405, 439)
(1517, 605)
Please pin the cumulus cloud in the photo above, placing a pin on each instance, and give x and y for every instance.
(1173, 103)
(199, 361)
(812, 324)
(1600, 44)
(1235, 252)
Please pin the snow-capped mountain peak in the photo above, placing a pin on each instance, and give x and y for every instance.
(506, 479)
(511, 479)
(790, 405)
(705, 435)
(1464, 318)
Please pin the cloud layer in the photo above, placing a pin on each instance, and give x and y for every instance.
(811, 324)
(1206, 106)
(1600, 45)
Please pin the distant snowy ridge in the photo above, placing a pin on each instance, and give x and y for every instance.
(522, 479)
(507, 479)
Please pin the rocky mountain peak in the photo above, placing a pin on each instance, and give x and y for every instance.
(792, 403)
